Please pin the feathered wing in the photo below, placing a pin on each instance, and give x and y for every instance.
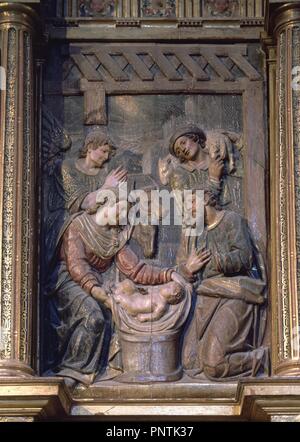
(55, 143)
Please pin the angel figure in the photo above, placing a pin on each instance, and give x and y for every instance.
(74, 183)
(200, 160)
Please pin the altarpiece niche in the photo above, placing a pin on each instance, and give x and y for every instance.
(151, 303)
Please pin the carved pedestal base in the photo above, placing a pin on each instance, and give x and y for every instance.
(273, 399)
(16, 369)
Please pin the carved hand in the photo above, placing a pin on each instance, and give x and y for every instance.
(216, 167)
(197, 260)
(100, 295)
(115, 177)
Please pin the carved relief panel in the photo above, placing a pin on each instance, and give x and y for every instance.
(169, 9)
(118, 299)
(221, 8)
(158, 8)
(96, 8)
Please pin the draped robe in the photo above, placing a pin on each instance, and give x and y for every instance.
(88, 250)
(225, 333)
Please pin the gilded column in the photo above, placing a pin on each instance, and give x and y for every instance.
(17, 195)
(284, 101)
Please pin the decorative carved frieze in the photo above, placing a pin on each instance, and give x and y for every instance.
(7, 201)
(284, 251)
(222, 8)
(151, 63)
(296, 140)
(95, 8)
(160, 9)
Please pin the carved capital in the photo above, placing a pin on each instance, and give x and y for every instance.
(285, 15)
(18, 14)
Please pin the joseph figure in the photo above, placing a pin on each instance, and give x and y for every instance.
(224, 339)
(199, 168)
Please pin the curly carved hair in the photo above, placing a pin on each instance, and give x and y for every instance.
(95, 139)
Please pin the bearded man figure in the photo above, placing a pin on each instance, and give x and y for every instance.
(224, 339)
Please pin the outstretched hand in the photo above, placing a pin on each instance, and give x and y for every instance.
(197, 260)
(115, 177)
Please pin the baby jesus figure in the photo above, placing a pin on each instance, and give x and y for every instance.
(147, 304)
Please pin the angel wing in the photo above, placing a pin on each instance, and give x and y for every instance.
(55, 143)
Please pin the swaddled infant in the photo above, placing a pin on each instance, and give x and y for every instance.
(147, 304)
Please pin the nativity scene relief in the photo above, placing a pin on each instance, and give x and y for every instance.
(140, 302)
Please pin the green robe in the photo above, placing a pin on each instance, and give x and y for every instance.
(226, 330)
(68, 189)
(228, 193)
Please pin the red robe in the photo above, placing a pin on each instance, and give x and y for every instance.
(84, 265)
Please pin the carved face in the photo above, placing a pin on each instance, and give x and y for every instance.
(172, 292)
(100, 155)
(221, 5)
(186, 148)
(99, 6)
